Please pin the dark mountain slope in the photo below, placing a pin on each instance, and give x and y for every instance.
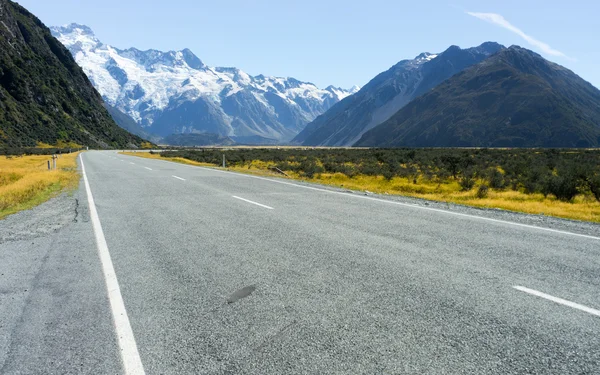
(515, 98)
(44, 95)
(129, 124)
(345, 122)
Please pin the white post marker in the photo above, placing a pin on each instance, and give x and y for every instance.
(132, 363)
(560, 301)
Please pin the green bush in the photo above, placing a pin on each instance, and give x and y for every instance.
(563, 187)
(482, 191)
(467, 181)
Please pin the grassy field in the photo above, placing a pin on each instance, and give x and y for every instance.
(25, 181)
(422, 184)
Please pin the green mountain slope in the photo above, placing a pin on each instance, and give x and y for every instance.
(515, 98)
(44, 94)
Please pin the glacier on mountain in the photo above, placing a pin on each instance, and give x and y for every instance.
(175, 92)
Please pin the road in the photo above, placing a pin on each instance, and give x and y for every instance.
(225, 273)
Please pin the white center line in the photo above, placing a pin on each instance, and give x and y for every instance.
(148, 168)
(561, 301)
(249, 201)
(179, 178)
(132, 363)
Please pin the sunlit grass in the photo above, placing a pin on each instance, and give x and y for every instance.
(26, 181)
(583, 207)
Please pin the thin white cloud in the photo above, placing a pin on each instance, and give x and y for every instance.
(502, 22)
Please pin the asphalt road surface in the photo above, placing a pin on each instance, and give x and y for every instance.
(212, 272)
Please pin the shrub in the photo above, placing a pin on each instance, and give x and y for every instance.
(563, 187)
(496, 179)
(467, 182)
(483, 191)
(594, 185)
(388, 174)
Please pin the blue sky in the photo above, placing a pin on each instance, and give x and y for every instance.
(333, 41)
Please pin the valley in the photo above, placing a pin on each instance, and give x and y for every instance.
(160, 214)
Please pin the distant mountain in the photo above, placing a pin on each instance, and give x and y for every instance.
(197, 139)
(344, 123)
(44, 94)
(129, 124)
(515, 98)
(175, 92)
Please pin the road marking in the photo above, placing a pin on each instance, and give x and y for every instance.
(131, 163)
(395, 203)
(132, 363)
(179, 178)
(249, 201)
(561, 301)
(148, 168)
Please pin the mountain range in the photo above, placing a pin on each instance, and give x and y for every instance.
(175, 92)
(387, 93)
(515, 98)
(44, 95)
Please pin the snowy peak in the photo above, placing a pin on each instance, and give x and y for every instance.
(175, 92)
(73, 28)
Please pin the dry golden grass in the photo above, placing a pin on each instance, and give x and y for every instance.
(584, 208)
(26, 181)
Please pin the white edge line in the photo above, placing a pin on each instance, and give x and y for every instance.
(561, 301)
(249, 201)
(148, 168)
(179, 178)
(394, 202)
(132, 363)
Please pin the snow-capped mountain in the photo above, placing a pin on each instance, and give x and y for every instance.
(175, 92)
(387, 93)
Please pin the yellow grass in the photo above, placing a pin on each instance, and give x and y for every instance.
(26, 181)
(584, 208)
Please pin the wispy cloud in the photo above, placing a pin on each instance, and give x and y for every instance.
(502, 22)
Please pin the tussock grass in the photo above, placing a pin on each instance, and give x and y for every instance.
(25, 181)
(583, 207)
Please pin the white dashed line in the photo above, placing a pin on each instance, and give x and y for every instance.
(249, 201)
(561, 301)
(179, 178)
(148, 168)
